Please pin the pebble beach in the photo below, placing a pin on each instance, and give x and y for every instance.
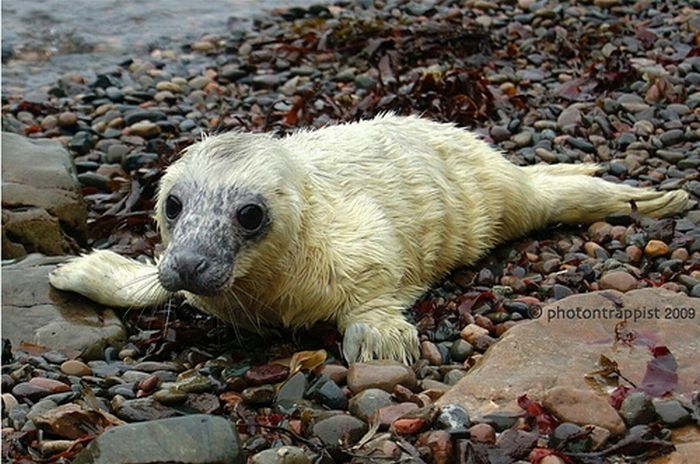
(611, 82)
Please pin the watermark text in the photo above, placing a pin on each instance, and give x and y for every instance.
(622, 314)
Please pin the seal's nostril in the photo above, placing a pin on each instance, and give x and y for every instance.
(190, 264)
(202, 265)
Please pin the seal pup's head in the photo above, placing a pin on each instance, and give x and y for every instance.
(229, 206)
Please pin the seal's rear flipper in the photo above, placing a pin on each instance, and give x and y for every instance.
(572, 196)
(112, 280)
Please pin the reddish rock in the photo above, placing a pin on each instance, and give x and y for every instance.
(76, 368)
(583, 407)
(618, 232)
(53, 386)
(335, 372)
(266, 374)
(408, 426)
(485, 322)
(440, 446)
(482, 433)
(503, 327)
(403, 394)
(148, 384)
(634, 253)
(517, 443)
(618, 280)
(429, 351)
(383, 374)
(600, 231)
(554, 350)
(471, 332)
(388, 414)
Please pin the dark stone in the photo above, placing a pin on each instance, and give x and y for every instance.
(197, 438)
(367, 402)
(292, 389)
(561, 291)
(570, 437)
(30, 392)
(106, 80)
(501, 420)
(637, 409)
(517, 307)
(137, 115)
(80, 143)
(93, 179)
(454, 419)
(672, 413)
(583, 145)
(672, 137)
(336, 428)
(137, 160)
(329, 394)
(114, 94)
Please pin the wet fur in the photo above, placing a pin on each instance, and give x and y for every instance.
(364, 218)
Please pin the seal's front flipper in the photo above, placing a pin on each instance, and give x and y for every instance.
(112, 280)
(379, 332)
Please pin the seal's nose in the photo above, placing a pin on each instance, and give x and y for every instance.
(192, 270)
(190, 265)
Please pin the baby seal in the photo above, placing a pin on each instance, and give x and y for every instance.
(349, 223)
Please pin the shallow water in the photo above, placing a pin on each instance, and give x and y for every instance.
(43, 39)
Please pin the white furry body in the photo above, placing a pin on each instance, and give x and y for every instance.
(365, 217)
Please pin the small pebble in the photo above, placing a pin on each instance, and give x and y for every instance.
(656, 248)
(76, 368)
(618, 280)
(637, 409)
(67, 119)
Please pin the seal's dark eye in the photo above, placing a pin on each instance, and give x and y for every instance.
(173, 206)
(250, 217)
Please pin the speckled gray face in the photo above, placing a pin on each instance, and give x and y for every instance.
(207, 228)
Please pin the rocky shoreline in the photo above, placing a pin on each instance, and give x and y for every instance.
(608, 81)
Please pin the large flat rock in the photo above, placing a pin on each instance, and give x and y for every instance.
(42, 205)
(34, 312)
(537, 355)
(197, 438)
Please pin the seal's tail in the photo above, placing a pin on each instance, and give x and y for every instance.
(573, 196)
